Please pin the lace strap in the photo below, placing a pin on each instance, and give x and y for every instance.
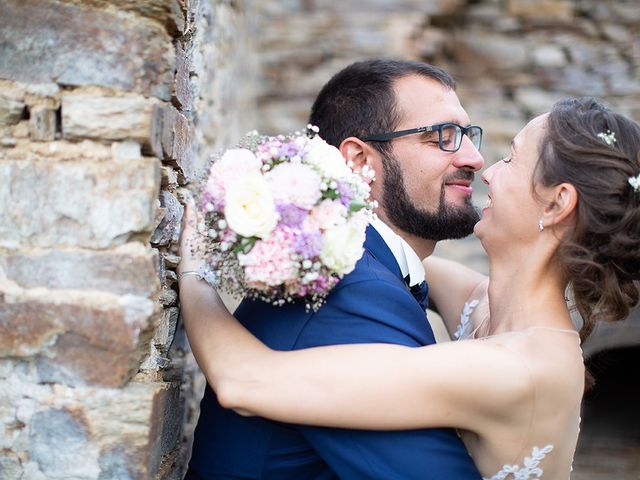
(530, 470)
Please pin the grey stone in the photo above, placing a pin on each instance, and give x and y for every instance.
(549, 56)
(128, 269)
(83, 204)
(167, 329)
(170, 13)
(549, 9)
(171, 260)
(168, 297)
(181, 93)
(168, 231)
(42, 123)
(491, 52)
(8, 142)
(89, 433)
(104, 117)
(127, 150)
(43, 90)
(177, 141)
(69, 337)
(169, 178)
(576, 81)
(60, 445)
(535, 101)
(10, 468)
(114, 465)
(627, 12)
(52, 42)
(10, 111)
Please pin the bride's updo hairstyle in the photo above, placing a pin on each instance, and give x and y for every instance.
(597, 151)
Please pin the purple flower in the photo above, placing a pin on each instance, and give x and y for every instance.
(308, 244)
(345, 192)
(322, 283)
(288, 150)
(291, 215)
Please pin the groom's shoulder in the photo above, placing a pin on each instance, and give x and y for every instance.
(370, 269)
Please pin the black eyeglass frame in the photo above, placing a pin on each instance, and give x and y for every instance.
(385, 137)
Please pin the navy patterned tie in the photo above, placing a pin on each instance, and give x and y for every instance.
(420, 292)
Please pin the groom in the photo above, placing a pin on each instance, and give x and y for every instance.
(403, 120)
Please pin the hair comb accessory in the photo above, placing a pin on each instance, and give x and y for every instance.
(608, 137)
(635, 184)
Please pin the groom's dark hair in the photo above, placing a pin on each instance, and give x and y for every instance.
(360, 99)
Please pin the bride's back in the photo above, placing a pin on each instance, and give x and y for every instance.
(540, 433)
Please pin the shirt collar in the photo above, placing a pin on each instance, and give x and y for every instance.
(408, 260)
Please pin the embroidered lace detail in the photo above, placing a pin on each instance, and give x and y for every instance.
(465, 330)
(529, 471)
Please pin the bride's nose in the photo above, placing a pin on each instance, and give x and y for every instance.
(488, 173)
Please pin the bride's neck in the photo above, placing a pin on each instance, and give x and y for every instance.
(525, 293)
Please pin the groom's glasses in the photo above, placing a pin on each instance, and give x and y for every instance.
(449, 135)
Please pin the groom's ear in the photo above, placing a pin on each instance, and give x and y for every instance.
(360, 157)
(563, 204)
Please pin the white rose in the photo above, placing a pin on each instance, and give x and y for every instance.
(342, 245)
(326, 159)
(249, 207)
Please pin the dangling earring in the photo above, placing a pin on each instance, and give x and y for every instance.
(541, 225)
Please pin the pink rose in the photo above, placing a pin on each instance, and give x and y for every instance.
(235, 163)
(296, 184)
(327, 214)
(270, 261)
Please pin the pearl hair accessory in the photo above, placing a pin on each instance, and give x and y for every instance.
(635, 184)
(608, 137)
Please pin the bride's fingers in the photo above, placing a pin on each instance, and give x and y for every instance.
(189, 234)
(189, 216)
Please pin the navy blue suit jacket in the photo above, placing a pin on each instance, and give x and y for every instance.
(370, 305)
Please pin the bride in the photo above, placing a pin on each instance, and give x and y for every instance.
(563, 216)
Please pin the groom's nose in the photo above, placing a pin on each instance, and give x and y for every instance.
(468, 156)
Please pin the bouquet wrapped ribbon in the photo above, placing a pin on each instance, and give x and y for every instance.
(282, 218)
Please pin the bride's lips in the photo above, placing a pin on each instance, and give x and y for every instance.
(488, 204)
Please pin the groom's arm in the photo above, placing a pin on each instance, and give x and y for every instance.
(376, 311)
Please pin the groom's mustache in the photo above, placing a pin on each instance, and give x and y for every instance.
(459, 175)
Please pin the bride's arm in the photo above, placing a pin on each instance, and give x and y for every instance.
(467, 385)
(220, 344)
(471, 385)
(451, 284)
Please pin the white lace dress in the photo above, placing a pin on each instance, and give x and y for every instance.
(531, 467)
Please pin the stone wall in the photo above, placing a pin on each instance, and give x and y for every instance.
(105, 107)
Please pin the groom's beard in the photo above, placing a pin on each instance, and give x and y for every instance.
(447, 222)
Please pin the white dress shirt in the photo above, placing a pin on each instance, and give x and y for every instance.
(408, 260)
(410, 264)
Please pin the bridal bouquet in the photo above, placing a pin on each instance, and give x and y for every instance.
(282, 218)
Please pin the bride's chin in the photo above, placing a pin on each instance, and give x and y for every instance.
(478, 229)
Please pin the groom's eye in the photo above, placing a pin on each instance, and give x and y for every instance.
(448, 137)
(507, 159)
(447, 140)
(431, 137)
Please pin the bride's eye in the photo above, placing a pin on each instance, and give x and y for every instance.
(507, 159)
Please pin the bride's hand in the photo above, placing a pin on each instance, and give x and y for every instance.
(189, 236)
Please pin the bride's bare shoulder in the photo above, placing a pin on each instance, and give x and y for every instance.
(553, 358)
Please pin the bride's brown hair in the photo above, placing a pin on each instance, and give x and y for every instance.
(601, 255)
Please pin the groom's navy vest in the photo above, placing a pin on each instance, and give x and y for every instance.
(370, 305)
